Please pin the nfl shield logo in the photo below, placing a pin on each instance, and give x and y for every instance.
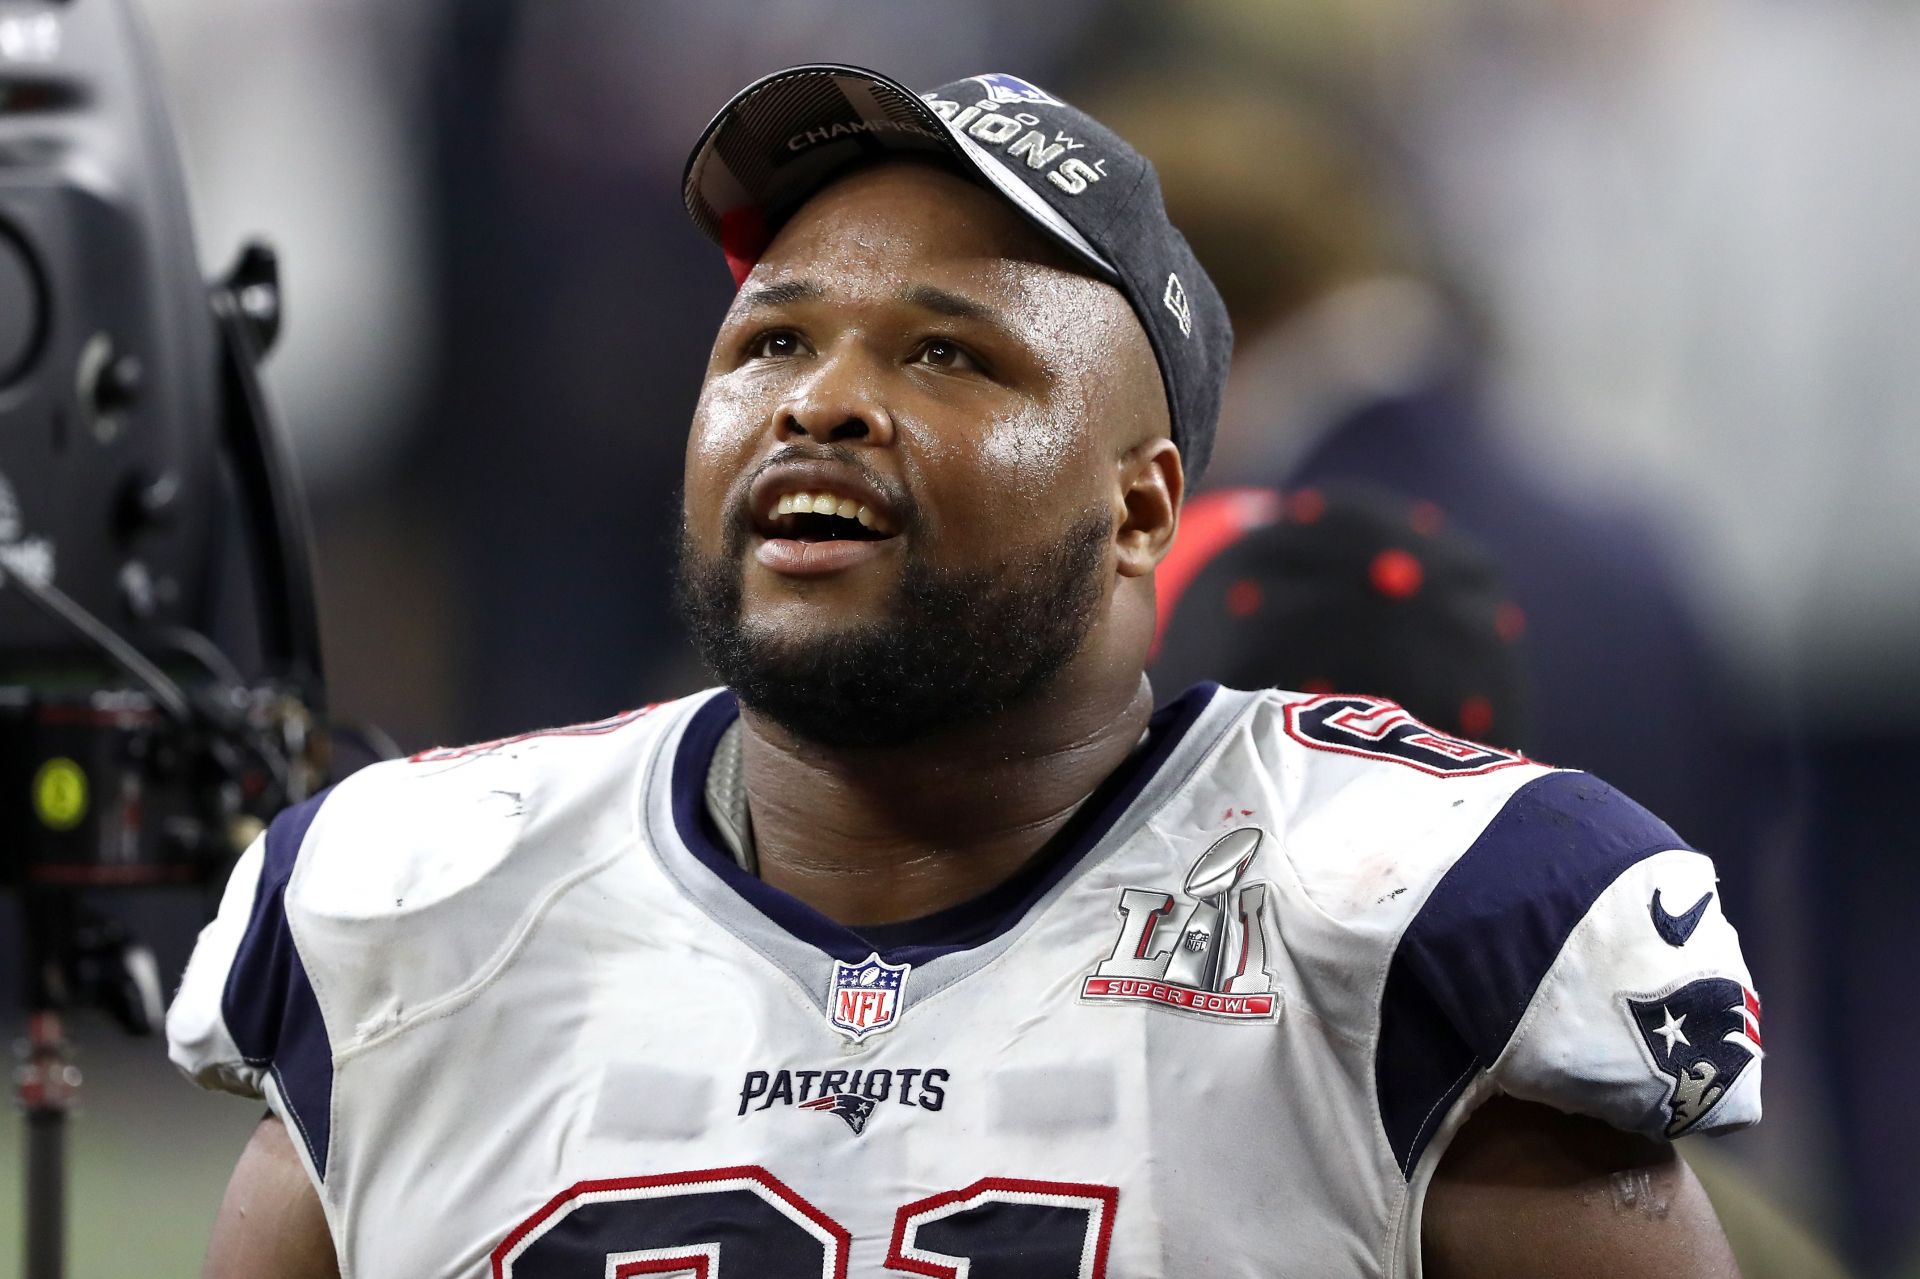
(865, 997)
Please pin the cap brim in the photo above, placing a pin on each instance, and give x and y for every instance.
(784, 137)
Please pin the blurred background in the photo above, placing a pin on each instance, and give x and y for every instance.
(1620, 290)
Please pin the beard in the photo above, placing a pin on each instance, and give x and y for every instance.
(955, 646)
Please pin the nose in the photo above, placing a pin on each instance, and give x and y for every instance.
(840, 403)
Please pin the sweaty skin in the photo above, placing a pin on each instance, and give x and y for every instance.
(270, 1224)
(1527, 1191)
(1005, 426)
(908, 314)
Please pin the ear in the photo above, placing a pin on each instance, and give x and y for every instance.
(1151, 484)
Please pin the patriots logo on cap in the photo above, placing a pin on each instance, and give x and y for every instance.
(1702, 1036)
(1006, 90)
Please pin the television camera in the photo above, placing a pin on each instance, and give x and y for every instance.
(161, 687)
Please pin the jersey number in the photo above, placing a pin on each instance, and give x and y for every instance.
(686, 1224)
(1378, 729)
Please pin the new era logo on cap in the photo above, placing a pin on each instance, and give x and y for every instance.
(1176, 300)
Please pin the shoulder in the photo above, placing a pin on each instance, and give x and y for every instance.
(1376, 736)
(1373, 802)
(1533, 961)
(1483, 916)
(408, 833)
(386, 896)
(1370, 805)
(445, 857)
(413, 800)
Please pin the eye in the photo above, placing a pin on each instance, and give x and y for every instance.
(776, 344)
(944, 353)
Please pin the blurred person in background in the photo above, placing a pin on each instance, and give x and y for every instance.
(1696, 221)
(1350, 589)
(1365, 359)
(1358, 364)
(1353, 589)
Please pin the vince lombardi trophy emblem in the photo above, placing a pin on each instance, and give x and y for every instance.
(1201, 959)
(1209, 958)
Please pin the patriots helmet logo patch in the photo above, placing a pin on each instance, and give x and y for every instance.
(1702, 1036)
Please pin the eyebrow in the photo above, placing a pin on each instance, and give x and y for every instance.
(952, 305)
(925, 296)
(785, 293)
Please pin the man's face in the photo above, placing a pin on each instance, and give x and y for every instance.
(915, 364)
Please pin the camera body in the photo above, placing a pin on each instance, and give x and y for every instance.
(109, 368)
(159, 653)
(159, 659)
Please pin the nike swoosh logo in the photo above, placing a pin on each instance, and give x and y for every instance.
(1675, 929)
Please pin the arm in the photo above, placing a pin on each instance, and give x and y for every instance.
(246, 1008)
(270, 1224)
(1526, 1191)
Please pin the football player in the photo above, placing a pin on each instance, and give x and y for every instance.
(927, 945)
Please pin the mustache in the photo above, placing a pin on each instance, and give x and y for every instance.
(739, 524)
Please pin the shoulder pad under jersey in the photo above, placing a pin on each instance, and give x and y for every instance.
(391, 896)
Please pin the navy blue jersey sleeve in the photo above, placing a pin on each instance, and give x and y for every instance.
(246, 1019)
(1542, 956)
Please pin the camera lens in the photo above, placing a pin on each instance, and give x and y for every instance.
(20, 307)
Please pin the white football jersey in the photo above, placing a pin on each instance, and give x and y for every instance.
(526, 1017)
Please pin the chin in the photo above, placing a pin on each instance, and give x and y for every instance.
(783, 614)
(880, 659)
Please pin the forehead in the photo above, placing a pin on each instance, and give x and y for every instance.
(906, 217)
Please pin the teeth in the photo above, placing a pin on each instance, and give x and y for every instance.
(830, 504)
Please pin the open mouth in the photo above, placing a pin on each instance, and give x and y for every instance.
(816, 519)
(825, 517)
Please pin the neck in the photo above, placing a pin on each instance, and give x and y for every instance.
(878, 835)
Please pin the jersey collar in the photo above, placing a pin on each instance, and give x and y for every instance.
(970, 924)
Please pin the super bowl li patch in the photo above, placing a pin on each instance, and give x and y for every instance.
(866, 997)
(1203, 951)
